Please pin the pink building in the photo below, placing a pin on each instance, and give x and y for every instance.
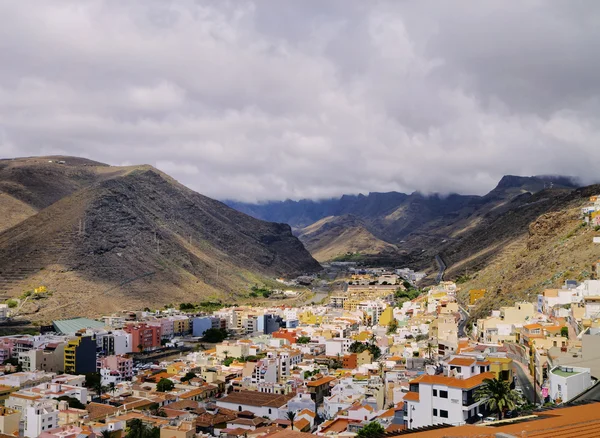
(122, 364)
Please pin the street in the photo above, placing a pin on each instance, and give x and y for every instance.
(463, 322)
(523, 382)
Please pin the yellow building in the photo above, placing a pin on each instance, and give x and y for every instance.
(185, 430)
(387, 316)
(9, 421)
(6, 391)
(364, 358)
(502, 367)
(476, 294)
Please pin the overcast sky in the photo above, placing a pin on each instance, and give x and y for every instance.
(307, 99)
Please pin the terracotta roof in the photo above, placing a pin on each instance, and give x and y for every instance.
(321, 381)
(454, 382)
(301, 424)
(462, 361)
(254, 398)
(307, 412)
(411, 396)
(578, 421)
(99, 410)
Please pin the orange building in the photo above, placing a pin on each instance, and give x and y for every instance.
(144, 336)
(285, 334)
(476, 294)
(350, 361)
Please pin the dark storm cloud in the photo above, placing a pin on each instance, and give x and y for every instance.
(276, 99)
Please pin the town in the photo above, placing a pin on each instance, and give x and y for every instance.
(379, 355)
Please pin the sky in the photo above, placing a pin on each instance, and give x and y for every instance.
(276, 99)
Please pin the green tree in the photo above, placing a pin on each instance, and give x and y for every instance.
(105, 433)
(497, 396)
(371, 430)
(303, 340)
(72, 402)
(188, 376)
(564, 332)
(291, 415)
(392, 327)
(100, 389)
(140, 348)
(357, 347)
(112, 387)
(214, 335)
(164, 385)
(12, 303)
(228, 361)
(92, 380)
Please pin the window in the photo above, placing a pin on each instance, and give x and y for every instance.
(435, 412)
(472, 369)
(443, 414)
(444, 394)
(435, 392)
(269, 410)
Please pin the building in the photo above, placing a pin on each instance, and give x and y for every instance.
(320, 388)
(185, 429)
(40, 417)
(51, 358)
(9, 421)
(80, 355)
(114, 342)
(115, 369)
(566, 382)
(200, 324)
(144, 336)
(261, 404)
(444, 400)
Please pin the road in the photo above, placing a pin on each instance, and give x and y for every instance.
(442, 266)
(464, 316)
(523, 382)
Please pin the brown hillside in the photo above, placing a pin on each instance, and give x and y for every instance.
(333, 237)
(141, 239)
(552, 248)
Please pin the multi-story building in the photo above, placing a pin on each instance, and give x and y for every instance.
(80, 355)
(9, 421)
(114, 342)
(121, 365)
(181, 324)
(51, 358)
(200, 324)
(440, 399)
(40, 417)
(144, 336)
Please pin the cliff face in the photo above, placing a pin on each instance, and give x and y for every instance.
(148, 241)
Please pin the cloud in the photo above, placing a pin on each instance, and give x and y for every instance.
(272, 100)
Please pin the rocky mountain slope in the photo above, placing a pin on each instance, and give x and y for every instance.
(412, 223)
(535, 247)
(135, 237)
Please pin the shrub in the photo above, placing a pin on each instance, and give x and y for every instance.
(12, 303)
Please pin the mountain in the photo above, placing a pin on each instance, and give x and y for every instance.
(411, 223)
(341, 236)
(132, 236)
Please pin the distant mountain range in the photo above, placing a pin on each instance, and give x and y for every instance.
(394, 224)
(102, 238)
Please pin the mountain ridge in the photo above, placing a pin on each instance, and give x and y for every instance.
(148, 239)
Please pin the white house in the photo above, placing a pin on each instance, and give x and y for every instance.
(261, 404)
(40, 417)
(443, 400)
(566, 382)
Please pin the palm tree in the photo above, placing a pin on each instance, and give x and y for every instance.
(100, 388)
(105, 433)
(291, 415)
(372, 339)
(112, 387)
(226, 353)
(497, 396)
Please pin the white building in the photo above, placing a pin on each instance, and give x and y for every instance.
(337, 346)
(443, 400)
(566, 382)
(40, 417)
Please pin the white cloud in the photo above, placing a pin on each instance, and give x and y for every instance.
(256, 100)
